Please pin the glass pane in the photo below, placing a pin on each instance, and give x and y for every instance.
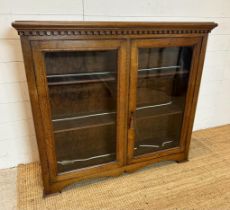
(163, 75)
(82, 92)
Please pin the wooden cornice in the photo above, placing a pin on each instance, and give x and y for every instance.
(63, 28)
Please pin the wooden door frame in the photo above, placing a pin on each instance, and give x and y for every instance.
(196, 42)
(38, 49)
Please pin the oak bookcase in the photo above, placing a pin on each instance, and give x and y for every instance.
(111, 97)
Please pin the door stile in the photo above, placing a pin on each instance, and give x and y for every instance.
(132, 100)
(190, 95)
(121, 103)
(42, 88)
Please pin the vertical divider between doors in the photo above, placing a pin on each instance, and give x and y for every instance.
(127, 97)
(121, 103)
(132, 99)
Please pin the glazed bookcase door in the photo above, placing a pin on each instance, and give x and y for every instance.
(162, 78)
(82, 104)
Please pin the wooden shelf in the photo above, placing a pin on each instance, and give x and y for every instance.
(161, 71)
(162, 68)
(163, 74)
(154, 144)
(83, 122)
(87, 159)
(146, 146)
(80, 78)
(158, 111)
(105, 119)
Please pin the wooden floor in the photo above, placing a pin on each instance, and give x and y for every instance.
(201, 183)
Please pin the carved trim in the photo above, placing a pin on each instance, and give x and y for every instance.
(101, 32)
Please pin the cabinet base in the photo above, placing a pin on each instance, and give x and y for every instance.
(58, 186)
(182, 161)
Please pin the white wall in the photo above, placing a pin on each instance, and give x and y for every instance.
(17, 136)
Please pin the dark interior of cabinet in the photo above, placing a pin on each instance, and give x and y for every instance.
(83, 95)
(157, 133)
(82, 99)
(85, 147)
(67, 62)
(163, 75)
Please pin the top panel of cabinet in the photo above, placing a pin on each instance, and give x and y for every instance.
(111, 29)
